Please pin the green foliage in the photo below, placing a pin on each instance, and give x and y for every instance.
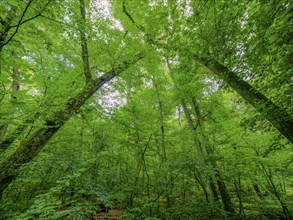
(154, 140)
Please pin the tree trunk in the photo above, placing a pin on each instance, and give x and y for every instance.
(197, 142)
(83, 39)
(277, 116)
(226, 199)
(160, 104)
(228, 206)
(29, 148)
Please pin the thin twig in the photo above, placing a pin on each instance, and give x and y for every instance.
(21, 22)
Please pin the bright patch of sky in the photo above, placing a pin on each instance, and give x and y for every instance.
(187, 9)
(211, 87)
(101, 9)
(110, 99)
(29, 58)
(244, 21)
(107, 97)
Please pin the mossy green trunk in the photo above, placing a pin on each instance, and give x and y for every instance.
(31, 146)
(277, 116)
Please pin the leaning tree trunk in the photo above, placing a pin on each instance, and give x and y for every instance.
(197, 142)
(29, 148)
(228, 205)
(226, 199)
(277, 116)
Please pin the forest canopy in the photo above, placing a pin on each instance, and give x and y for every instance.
(162, 109)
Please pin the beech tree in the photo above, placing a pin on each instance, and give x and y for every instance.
(165, 109)
(29, 147)
(202, 49)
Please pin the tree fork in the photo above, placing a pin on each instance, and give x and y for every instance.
(30, 147)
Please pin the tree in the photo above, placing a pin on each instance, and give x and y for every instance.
(167, 112)
(33, 144)
(276, 115)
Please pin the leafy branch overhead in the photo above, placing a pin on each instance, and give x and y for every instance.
(146, 109)
(4, 38)
(31, 146)
(277, 116)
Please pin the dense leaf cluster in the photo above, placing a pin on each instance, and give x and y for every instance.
(133, 109)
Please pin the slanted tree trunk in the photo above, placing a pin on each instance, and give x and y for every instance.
(29, 148)
(228, 206)
(226, 199)
(197, 142)
(5, 143)
(277, 116)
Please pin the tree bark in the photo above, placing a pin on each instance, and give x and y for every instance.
(228, 206)
(277, 116)
(226, 199)
(84, 48)
(197, 142)
(29, 148)
(160, 104)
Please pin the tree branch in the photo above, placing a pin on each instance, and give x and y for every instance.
(130, 17)
(59, 22)
(276, 115)
(30, 147)
(21, 22)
